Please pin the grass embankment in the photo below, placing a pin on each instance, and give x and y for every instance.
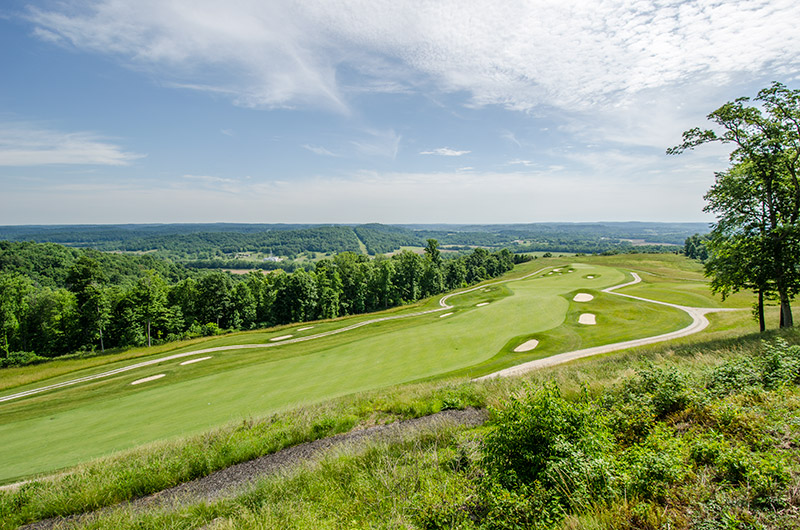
(63, 427)
(698, 436)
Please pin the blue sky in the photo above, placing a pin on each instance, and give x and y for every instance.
(116, 111)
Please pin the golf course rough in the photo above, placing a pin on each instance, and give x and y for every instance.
(65, 426)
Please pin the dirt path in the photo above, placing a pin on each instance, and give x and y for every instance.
(699, 323)
(238, 478)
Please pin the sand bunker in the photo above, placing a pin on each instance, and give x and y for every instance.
(445, 315)
(582, 297)
(482, 304)
(146, 379)
(590, 277)
(588, 319)
(282, 337)
(556, 270)
(184, 363)
(527, 346)
(306, 328)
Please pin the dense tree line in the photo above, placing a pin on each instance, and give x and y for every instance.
(90, 312)
(215, 244)
(48, 264)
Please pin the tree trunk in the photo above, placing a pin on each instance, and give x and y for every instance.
(761, 324)
(148, 332)
(786, 312)
(102, 348)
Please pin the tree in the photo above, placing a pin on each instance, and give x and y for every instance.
(432, 252)
(85, 279)
(13, 304)
(149, 297)
(766, 146)
(214, 297)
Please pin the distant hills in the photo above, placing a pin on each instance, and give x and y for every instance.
(229, 241)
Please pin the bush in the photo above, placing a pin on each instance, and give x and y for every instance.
(21, 358)
(664, 391)
(733, 376)
(543, 437)
(780, 364)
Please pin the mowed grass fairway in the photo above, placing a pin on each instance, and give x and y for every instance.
(63, 427)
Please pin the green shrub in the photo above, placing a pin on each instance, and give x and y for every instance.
(665, 391)
(733, 376)
(533, 431)
(21, 358)
(780, 364)
(654, 465)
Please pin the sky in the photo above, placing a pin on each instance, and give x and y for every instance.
(428, 111)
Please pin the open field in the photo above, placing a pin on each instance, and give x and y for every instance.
(60, 428)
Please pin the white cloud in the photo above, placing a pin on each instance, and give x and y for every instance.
(227, 132)
(444, 151)
(317, 150)
(25, 144)
(571, 54)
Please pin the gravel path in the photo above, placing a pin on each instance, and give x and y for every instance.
(238, 478)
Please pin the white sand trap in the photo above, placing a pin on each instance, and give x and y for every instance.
(590, 277)
(147, 379)
(556, 270)
(583, 297)
(445, 315)
(306, 328)
(588, 319)
(482, 304)
(282, 337)
(527, 346)
(184, 363)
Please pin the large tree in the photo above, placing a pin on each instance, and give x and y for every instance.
(758, 198)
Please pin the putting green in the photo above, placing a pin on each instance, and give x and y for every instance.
(63, 427)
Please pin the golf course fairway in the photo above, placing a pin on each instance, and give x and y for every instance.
(62, 427)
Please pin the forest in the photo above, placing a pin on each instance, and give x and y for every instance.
(222, 245)
(56, 300)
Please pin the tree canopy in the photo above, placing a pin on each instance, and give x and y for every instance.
(755, 242)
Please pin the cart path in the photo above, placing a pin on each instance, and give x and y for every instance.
(699, 323)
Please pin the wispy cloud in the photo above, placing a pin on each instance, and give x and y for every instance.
(379, 143)
(444, 151)
(317, 150)
(227, 132)
(519, 55)
(511, 137)
(25, 144)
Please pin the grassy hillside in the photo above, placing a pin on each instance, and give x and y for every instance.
(58, 429)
